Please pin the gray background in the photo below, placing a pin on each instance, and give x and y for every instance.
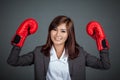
(13, 12)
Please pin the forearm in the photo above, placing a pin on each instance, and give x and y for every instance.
(103, 62)
(104, 59)
(15, 60)
(14, 55)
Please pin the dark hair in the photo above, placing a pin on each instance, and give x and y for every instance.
(70, 44)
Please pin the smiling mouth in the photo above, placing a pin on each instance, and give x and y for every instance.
(58, 38)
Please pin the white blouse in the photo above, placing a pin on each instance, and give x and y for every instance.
(58, 68)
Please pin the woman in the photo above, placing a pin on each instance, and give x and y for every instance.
(61, 58)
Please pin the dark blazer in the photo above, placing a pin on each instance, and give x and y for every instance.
(76, 66)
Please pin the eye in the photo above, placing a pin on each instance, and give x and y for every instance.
(63, 31)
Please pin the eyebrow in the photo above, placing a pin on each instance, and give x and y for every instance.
(63, 29)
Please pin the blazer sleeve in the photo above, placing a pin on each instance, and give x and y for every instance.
(102, 62)
(15, 59)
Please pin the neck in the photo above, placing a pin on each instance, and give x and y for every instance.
(59, 50)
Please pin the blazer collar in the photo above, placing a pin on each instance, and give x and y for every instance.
(46, 63)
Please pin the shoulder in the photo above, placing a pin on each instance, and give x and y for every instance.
(81, 56)
(38, 47)
(82, 51)
(37, 50)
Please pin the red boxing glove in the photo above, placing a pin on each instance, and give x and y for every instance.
(27, 27)
(94, 29)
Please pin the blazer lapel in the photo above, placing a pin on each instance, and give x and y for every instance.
(70, 63)
(46, 61)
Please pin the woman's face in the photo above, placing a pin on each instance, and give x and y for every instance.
(59, 35)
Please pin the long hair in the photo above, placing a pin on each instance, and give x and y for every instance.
(70, 44)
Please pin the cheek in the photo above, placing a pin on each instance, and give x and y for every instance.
(51, 34)
(66, 36)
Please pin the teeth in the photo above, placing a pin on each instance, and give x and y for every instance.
(58, 38)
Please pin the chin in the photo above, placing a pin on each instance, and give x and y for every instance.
(58, 43)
